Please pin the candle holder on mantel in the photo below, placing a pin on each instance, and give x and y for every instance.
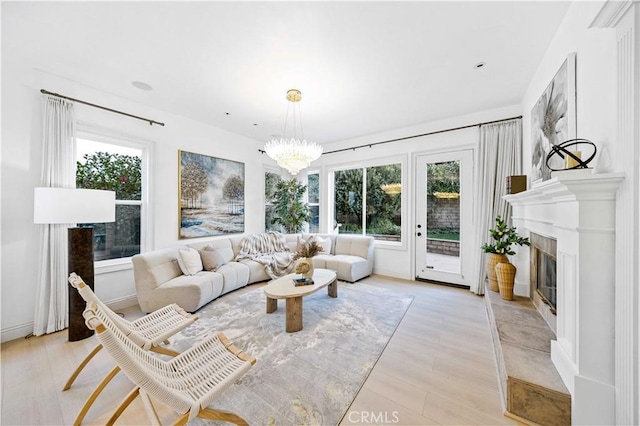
(571, 151)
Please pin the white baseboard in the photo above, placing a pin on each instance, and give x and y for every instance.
(16, 331)
(392, 273)
(21, 330)
(122, 302)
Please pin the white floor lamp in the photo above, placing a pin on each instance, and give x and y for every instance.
(76, 206)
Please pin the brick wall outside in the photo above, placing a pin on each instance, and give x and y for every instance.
(449, 248)
(443, 213)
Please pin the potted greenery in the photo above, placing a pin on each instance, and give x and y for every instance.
(288, 208)
(503, 238)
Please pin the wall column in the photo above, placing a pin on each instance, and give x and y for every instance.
(624, 17)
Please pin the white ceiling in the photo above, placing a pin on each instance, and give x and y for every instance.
(363, 67)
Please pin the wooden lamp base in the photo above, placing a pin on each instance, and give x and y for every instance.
(80, 262)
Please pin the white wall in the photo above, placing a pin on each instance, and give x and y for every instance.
(399, 261)
(595, 96)
(595, 82)
(21, 148)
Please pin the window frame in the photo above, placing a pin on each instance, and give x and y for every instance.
(375, 162)
(309, 203)
(103, 135)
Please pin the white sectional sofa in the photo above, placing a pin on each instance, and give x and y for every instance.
(160, 281)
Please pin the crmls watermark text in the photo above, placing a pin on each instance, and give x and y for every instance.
(377, 417)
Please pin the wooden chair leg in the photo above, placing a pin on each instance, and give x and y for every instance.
(123, 405)
(81, 366)
(182, 420)
(89, 402)
(164, 351)
(225, 416)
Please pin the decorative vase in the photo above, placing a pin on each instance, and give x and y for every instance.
(506, 274)
(492, 260)
(304, 267)
(310, 273)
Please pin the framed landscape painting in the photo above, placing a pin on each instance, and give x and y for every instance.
(553, 119)
(210, 195)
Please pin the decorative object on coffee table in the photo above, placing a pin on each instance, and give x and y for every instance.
(503, 237)
(305, 268)
(306, 250)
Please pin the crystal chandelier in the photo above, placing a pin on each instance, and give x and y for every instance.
(293, 154)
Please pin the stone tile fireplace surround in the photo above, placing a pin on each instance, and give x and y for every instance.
(577, 209)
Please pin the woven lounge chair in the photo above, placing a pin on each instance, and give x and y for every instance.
(188, 383)
(147, 332)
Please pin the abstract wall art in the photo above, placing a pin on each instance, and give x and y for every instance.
(210, 195)
(553, 118)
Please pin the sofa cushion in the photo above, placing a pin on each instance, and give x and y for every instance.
(291, 240)
(355, 245)
(235, 275)
(320, 260)
(212, 259)
(189, 261)
(189, 291)
(256, 271)
(348, 268)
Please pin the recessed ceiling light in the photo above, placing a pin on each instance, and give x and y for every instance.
(141, 85)
(479, 65)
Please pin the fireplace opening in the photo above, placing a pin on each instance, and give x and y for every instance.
(543, 269)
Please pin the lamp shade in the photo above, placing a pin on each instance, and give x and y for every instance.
(73, 205)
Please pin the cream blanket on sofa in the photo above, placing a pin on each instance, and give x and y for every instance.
(270, 250)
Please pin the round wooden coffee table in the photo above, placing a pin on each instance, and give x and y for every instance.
(283, 288)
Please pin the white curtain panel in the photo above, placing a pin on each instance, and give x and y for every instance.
(58, 170)
(499, 156)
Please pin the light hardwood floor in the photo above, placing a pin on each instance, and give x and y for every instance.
(438, 368)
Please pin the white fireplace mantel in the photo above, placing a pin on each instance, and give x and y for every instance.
(577, 208)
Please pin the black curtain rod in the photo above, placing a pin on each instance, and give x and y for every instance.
(151, 122)
(418, 136)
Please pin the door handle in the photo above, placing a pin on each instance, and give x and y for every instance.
(419, 234)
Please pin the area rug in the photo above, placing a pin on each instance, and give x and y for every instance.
(309, 377)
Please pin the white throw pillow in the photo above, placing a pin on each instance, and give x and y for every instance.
(325, 243)
(189, 261)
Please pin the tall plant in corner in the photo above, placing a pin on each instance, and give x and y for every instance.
(288, 209)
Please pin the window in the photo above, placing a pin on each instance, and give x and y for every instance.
(313, 199)
(271, 180)
(368, 200)
(116, 168)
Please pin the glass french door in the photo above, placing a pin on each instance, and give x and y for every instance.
(444, 198)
